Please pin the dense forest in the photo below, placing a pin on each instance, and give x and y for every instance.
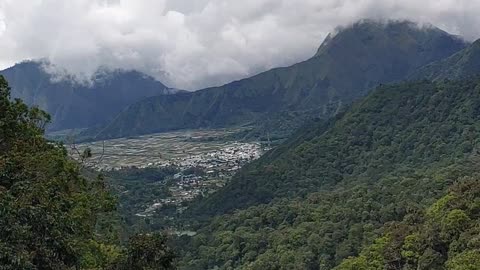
(343, 183)
(50, 213)
(136, 189)
(397, 127)
(366, 189)
(443, 236)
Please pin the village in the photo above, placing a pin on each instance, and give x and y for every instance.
(203, 174)
(205, 160)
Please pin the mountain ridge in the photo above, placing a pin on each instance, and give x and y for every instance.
(351, 192)
(73, 104)
(352, 62)
(462, 64)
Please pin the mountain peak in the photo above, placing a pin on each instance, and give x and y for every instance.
(367, 32)
(348, 64)
(476, 44)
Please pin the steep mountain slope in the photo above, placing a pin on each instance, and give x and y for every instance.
(396, 126)
(72, 105)
(348, 64)
(462, 64)
(329, 192)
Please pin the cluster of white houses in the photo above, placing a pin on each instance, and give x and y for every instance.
(213, 169)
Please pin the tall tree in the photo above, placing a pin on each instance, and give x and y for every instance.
(48, 211)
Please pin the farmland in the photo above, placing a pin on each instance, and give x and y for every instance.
(183, 148)
(157, 175)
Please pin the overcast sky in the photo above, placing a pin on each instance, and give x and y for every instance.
(192, 44)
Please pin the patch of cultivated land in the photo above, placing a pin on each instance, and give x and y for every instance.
(202, 161)
(181, 148)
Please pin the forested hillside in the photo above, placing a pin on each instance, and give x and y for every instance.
(347, 65)
(318, 201)
(443, 236)
(49, 213)
(418, 123)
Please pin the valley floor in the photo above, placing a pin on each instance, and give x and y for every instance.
(157, 175)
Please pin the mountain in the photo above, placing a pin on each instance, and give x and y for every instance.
(74, 105)
(257, 185)
(391, 181)
(346, 66)
(370, 139)
(333, 187)
(464, 63)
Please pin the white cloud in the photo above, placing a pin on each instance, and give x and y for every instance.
(196, 43)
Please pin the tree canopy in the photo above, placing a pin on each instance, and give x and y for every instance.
(49, 212)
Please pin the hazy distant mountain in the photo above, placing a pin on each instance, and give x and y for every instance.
(73, 105)
(345, 67)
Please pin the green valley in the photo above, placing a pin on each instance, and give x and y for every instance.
(364, 157)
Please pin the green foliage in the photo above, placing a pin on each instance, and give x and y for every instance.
(98, 255)
(148, 252)
(321, 197)
(136, 189)
(48, 211)
(396, 128)
(318, 231)
(370, 259)
(412, 248)
(446, 240)
(468, 260)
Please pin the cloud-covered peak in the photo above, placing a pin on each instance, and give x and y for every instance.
(194, 44)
